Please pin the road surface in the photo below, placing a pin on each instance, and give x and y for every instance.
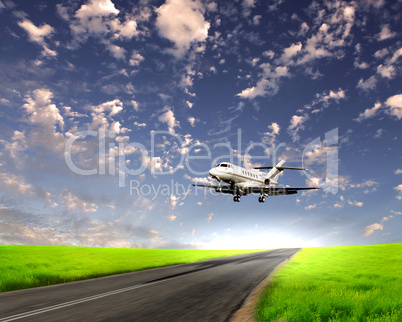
(211, 290)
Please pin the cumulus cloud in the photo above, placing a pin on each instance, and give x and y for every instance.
(380, 226)
(385, 33)
(368, 84)
(395, 106)
(399, 191)
(269, 82)
(38, 35)
(173, 201)
(15, 184)
(355, 203)
(309, 207)
(372, 228)
(369, 112)
(191, 120)
(387, 71)
(92, 17)
(183, 23)
(46, 118)
(290, 52)
(209, 217)
(296, 124)
(270, 136)
(72, 202)
(324, 99)
(116, 51)
(135, 59)
(99, 18)
(169, 118)
(335, 22)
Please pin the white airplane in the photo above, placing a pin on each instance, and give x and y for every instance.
(245, 181)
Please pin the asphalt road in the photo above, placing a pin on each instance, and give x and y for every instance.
(209, 291)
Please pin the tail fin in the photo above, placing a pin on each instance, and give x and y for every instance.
(275, 172)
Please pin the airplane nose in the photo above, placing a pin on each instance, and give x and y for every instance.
(212, 172)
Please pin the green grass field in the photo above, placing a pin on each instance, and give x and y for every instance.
(31, 266)
(355, 283)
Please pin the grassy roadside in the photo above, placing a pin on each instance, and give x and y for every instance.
(31, 266)
(354, 283)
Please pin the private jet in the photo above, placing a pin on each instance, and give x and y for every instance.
(244, 181)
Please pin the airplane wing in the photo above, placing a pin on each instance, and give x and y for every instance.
(268, 191)
(278, 190)
(224, 188)
(280, 168)
(205, 185)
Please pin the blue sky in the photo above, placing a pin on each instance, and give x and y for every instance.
(310, 80)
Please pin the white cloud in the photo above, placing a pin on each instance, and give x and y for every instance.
(140, 124)
(189, 104)
(296, 124)
(99, 18)
(395, 56)
(183, 23)
(355, 203)
(135, 59)
(209, 218)
(135, 105)
(398, 171)
(369, 112)
(368, 84)
(38, 35)
(290, 52)
(116, 51)
(395, 105)
(372, 228)
(248, 3)
(399, 191)
(91, 17)
(113, 107)
(269, 54)
(14, 183)
(387, 71)
(268, 84)
(191, 120)
(309, 207)
(171, 217)
(379, 133)
(269, 137)
(173, 201)
(385, 33)
(169, 118)
(338, 205)
(381, 53)
(71, 202)
(46, 117)
(380, 226)
(325, 98)
(303, 29)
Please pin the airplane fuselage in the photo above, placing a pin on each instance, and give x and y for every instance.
(239, 176)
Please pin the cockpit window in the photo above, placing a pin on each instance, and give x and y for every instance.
(223, 165)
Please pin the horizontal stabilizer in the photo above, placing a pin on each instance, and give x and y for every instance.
(280, 168)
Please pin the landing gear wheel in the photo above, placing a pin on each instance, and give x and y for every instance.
(261, 199)
(236, 198)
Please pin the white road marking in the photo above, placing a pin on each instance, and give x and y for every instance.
(85, 299)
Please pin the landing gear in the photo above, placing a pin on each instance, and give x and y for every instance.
(236, 198)
(261, 199)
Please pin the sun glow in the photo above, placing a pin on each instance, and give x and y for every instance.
(258, 241)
